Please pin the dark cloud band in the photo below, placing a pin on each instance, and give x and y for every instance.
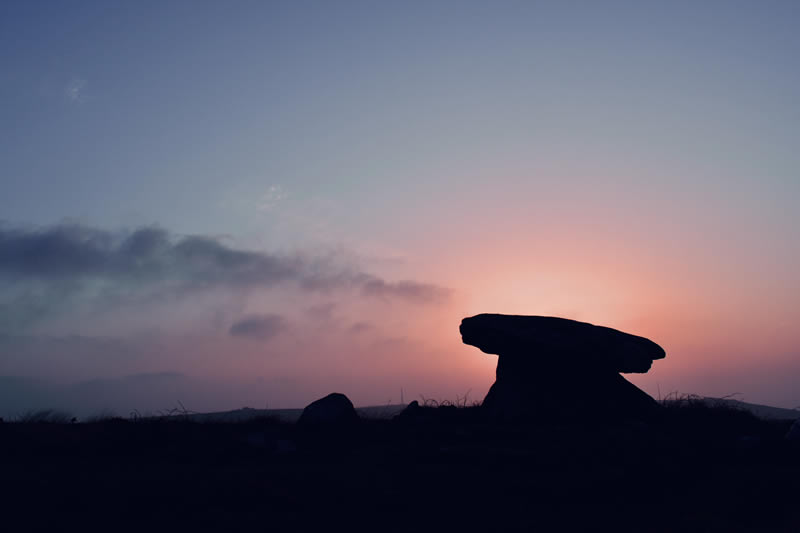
(70, 255)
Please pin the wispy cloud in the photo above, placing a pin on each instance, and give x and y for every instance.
(408, 290)
(361, 327)
(75, 90)
(259, 327)
(321, 312)
(270, 199)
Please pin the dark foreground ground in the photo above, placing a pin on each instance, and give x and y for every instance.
(698, 468)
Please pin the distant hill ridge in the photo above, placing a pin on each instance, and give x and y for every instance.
(289, 415)
(761, 411)
(388, 411)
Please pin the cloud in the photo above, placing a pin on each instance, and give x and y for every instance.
(259, 327)
(150, 254)
(321, 312)
(144, 256)
(361, 327)
(408, 290)
(270, 199)
(75, 90)
(46, 271)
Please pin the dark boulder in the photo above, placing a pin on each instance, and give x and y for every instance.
(555, 367)
(334, 410)
(411, 411)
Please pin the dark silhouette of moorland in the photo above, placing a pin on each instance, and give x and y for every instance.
(681, 464)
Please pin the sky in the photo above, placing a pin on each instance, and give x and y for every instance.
(231, 204)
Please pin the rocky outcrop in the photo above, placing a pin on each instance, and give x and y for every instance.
(557, 367)
(334, 410)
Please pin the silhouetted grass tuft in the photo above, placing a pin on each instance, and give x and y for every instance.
(45, 416)
(105, 415)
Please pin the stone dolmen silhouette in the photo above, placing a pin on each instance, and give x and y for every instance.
(555, 367)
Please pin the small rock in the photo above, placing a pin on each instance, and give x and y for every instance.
(411, 410)
(333, 410)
